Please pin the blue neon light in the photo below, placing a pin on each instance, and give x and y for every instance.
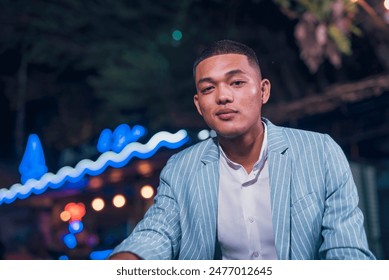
(117, 140)
(33, 164)
(94, 168)
(100, 255)
(82, 183)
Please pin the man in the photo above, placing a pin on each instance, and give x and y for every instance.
(256, 191)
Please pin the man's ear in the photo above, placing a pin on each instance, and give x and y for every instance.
(196, 102)
(265, 90)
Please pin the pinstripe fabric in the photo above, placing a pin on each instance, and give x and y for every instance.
(313, 197)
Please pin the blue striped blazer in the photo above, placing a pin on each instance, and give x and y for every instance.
(313, 198)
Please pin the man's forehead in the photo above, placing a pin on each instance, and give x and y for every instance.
(227, 63)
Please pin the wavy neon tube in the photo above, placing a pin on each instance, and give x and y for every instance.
(93, 168)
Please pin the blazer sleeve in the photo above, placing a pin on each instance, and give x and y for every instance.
(158, 234)
(343, 233)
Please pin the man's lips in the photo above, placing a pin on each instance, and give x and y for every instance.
(225, 113)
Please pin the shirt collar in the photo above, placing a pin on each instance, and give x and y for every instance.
(262, 156)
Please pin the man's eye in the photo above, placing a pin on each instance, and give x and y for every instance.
(206, 90)
(238, 83)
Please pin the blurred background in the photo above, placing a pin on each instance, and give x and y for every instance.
(70, 69)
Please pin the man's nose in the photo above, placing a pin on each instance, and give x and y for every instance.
(224, 95)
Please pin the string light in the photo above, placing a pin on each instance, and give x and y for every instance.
(119, 201)
(98, 204)
(147, 191)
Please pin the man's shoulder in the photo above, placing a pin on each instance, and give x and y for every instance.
(303, 132)
(295, 137)
(289, 131)
(196, 152)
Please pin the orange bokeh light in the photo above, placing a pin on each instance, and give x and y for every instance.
(145, 168)
(76, 210)
(65, 216)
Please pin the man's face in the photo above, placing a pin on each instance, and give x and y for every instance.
(230, 94)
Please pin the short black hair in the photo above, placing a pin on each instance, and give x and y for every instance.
(227, 47)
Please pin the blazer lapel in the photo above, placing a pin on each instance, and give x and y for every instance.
(207, 181)
(280, 171)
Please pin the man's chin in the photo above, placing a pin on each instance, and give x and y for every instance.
(228, 134)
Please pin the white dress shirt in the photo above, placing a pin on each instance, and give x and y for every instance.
(245, 228)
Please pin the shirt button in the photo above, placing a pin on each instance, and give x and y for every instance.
(255, 255)
(251, 219)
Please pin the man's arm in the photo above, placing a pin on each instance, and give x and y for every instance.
(343, 233)
(157, 235)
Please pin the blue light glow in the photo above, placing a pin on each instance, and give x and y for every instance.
(76, 227)
(82, 183)
(63, 258)
(33, 164)
(117, 140)
(70, 241)
(94, 168)
(100, 255)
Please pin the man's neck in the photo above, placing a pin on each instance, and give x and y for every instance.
(243, 150)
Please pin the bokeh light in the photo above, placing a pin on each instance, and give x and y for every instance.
(65, 216)
(144, 168)
(203, 134)
(98, 204)
(70, 241)
(119, 200)
(76, 227)
(147, 191)
(177, 35)
(95, 182)
(116, 175)
(76, 210)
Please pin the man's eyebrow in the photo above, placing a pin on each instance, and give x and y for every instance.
(234, 72)
(229, 73)
(206, 80)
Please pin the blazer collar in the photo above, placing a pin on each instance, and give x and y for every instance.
(211, 151)
(276, 143)
(276, 138)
